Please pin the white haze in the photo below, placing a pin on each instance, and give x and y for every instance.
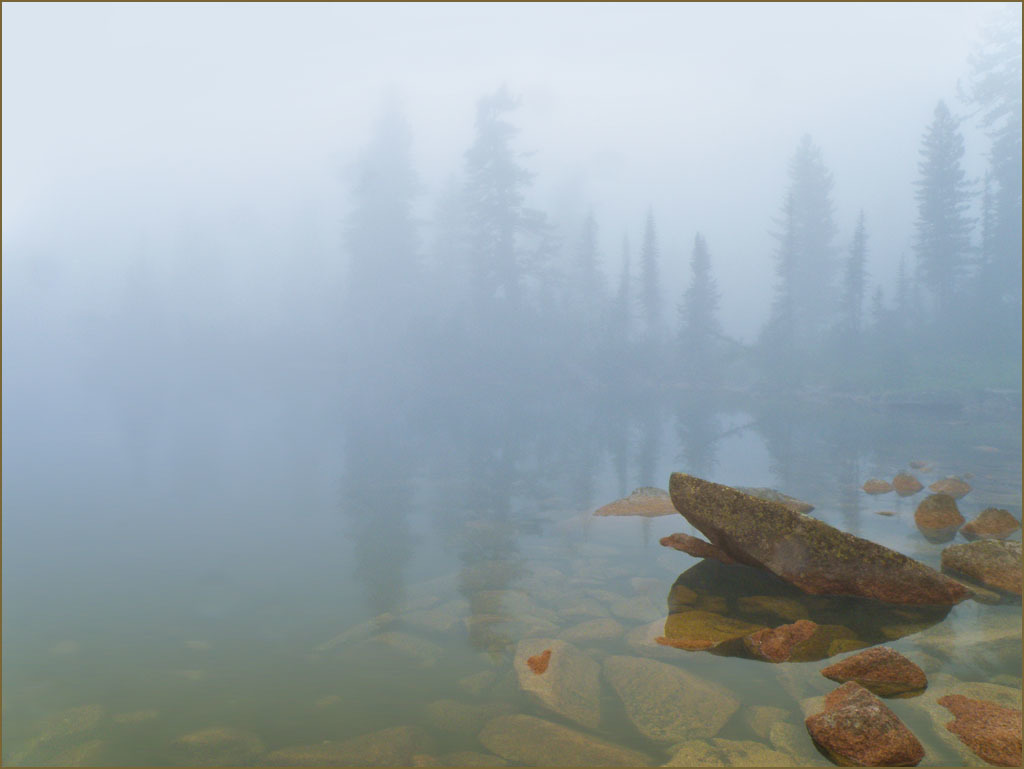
(170, 129)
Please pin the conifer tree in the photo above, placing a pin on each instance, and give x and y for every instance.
(854, 281)
(650, 283)
(700, 332)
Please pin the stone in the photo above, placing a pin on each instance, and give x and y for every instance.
(461, 717)
(954, 487)
(476, 683)
(794, 740)
(706, 629)
(218, 745)
(60, 733)
(998, 642)
(881, 670)
(906, 484)
(471, 758)
(773, 495)
(680, 596)
(696, 753)
(992, 563)
(991, 523)
(531, 741)
(388, 747)
(644, 640)
(751, 753)
(885, 512)
(938, 518)
(806, 552)
(761, 717)
(666, 703)
(603, 629)
(570, 686)
(696, 547)
(857, 729)
(638, 609)
(647, 501)
(877, 486)
(776, 644)
(991, 731)
(780, 606)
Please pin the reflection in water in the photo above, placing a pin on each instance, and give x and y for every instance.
(715, 606)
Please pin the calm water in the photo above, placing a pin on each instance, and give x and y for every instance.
(291, 577)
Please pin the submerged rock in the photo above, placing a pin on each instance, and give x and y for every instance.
(698, 629)
(218, 745)
(530, 741)
(877, 486)
(461, 717)
(602, 629)
(880, 670)
(991, 731)
(991, 523)
(806, 552)
(647, 501)
(993, 563)
(776, 644)
(666, 703)
(60, 734)
(761, 492)
(857, 729)
(761, 717)
(954, 487)
(906, 484)
(387, 747)
(570, 683)
(938, 518)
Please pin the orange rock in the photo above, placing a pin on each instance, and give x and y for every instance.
(776, 644)
(906, 484)
(954, 487)
(991, 523)
(539, 662)
(877, 486)
(991, 731)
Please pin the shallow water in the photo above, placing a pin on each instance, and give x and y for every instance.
(289, 579)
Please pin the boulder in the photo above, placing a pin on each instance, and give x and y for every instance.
(877, 486)
(991, 562)
(991, 523)
(855, 728)
(806, 552)
(569, 685)
(646, 501)
(991, 731)
(776, 644)
(697, 629)
(530, 741)
(794, 504)
(954, 487)
(906, 484)
(881, 670)
(667, 703)
(938, 518)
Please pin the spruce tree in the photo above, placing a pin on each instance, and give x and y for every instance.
(943, 230)
(650, 284)
(854, 281)
(700, 332)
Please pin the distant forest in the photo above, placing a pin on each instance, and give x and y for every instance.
(498, 301)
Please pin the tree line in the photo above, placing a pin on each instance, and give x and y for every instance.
(500, 299)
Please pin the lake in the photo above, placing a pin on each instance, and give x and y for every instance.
(245, 579)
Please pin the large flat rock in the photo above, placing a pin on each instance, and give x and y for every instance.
(665, 702)
(569, 685)
(804, 551)
(530, 741)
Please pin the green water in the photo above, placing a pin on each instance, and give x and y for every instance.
(283, 588)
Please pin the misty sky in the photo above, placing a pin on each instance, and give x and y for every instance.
(129, 124)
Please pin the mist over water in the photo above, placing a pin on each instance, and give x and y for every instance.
(316, 314)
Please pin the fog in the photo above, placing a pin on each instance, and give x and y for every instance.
(214, 207)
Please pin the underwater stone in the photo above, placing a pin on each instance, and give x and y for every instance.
(993, 563)
(666, 703)
(954, 487)
(531, 741)
(696, 547)
(880, 670)
(570, 684)
(218, 745)
(991, 731)
(877, 486)
(388, 747)
(906, 484)
(602, 629)
(776, 644)
(991, 523)
(707, 628)
(857, 729)
(806, 552)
